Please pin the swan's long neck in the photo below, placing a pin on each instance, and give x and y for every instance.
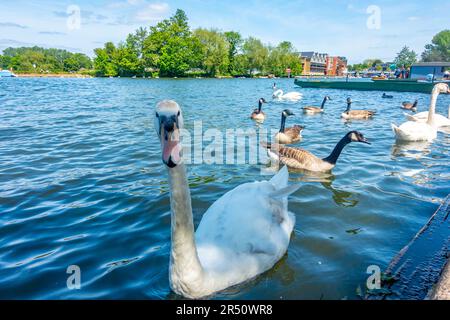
(431, 112)
(185, 264)
(283, 123)
(334, 156)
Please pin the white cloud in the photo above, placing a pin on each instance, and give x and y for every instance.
(152, 12)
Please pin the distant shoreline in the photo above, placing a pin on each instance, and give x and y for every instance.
(52, 75)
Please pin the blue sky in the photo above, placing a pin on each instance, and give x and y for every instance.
(337, 27)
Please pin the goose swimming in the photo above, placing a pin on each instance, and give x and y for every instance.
(419, 131)
(410, 106)
(257, 114)
(288, 135)
(315, 110)
(243, 234)
(297, 158)
(356, 114)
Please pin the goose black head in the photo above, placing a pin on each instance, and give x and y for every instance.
(287, 113)
(168, 123)
(262, 100)
(356, 136)
(327, 98)
(349, 104)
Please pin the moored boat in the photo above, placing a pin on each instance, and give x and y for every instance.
(402, 85)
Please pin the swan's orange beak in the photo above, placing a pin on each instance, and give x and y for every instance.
(170, 143)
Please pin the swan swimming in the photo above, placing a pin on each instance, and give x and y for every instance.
(419, 131)
(242, 234)
(439, 120)
(290, 96)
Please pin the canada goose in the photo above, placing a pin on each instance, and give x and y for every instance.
(439, 120)
(385, 96)
(314, 110)
(419, 131)
(257, 114)
(301, 159)
(410, 106)
(290, 96)
(288, 135)
(243, 234)
(356, 114)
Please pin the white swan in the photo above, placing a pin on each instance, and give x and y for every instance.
(439, 120)
(243, 234)
(418, 131)
(290, 96)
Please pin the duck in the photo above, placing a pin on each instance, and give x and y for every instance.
(290, 96)
(297, 158)
(356, 114)
(422, 131)
(288, 135)
(386, 96)
(257, 114)
(315, 110)
(410, 106)
(439, 120)
(243, 234)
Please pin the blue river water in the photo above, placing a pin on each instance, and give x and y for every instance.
(82, 183)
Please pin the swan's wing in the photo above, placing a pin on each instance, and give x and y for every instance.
(246, 231)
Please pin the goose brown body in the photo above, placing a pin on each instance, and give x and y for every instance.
(290, 135)
(297, 158)
(314, 109)
(356, 114)
(410, 106)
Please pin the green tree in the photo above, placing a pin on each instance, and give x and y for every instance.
(136, 43)
(104, 62)
(439, 49)
(234, 40)
(171, 48)
(282, 57)
(256, 55)
(405, 57)
(215, 59)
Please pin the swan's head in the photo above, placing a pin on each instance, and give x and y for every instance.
(356, 136)
(287, 113)
(168, 123)
(441, 88)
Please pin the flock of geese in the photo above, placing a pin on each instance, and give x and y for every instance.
(247, 230)
(420, 127)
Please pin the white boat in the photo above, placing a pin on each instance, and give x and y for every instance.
(7, 74)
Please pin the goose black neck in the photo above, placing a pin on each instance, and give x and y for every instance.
(334, 156)
(349, 105)
(323, 103)
(415, 104)
(259, 107)
(283, 123)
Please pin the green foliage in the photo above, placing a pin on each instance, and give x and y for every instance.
(282, 57)
(256, 54)
(439, 49)
(235, 41)
(215, 51)
(405, 57)
(40, 60)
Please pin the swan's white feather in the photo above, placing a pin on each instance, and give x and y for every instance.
(245, 232)
(290, 96)
(414, 131)
(439, 120)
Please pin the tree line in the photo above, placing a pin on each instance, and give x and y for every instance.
(171, 49)
(40, 60)
(437, 50)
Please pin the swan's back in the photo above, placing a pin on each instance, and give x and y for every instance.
(245, 232)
